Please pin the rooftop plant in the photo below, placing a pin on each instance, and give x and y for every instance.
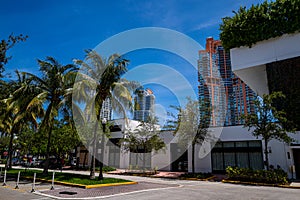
(260, 22)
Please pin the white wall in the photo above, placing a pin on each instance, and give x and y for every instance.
(249, 63)
(278, 155)
(162, 159)
(275, 49)
(203, 155)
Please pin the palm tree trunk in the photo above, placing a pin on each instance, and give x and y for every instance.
(144, 162)
(102, 157)
(93, 161)
(84, 160)
(193, 157)
(46, 167)
(77, 157)
(10, 152)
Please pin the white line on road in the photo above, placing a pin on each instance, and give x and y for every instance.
(107, 196)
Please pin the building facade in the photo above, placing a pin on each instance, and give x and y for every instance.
(143, 104)
(222, 87)
(235, 146)
(106, 111)
(274, 65)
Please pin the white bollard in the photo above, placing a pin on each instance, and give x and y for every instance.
(18, 179)
(4, 180)
(33, 183)
(52, 185)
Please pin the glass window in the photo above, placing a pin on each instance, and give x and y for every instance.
(229, 159)
(217, 161)
(241, 144)
(255, 143)
(228, 144)
(242, 159)
(244, 154)
(218, 145)
(256, 161)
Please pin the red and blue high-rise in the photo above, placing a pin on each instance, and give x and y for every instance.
(229, 96)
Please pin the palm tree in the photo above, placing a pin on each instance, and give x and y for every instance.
(191, 124)
(17, 113)
(55, 88)
(103, 77)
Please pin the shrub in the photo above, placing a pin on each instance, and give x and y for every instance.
(196, 175)
(108, 169)
(274, 176)
(260, 22)
(3, 161)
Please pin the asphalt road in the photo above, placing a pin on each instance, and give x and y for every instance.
(220, 191)
(163, 190)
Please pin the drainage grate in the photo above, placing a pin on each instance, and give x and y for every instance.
(68, 192)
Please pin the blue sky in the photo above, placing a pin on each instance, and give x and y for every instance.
(64, 29)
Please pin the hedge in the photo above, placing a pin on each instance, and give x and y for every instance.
(274, 176)
(260, 22)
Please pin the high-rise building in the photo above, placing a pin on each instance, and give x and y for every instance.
(229, 96)
(106, 111)
(143, 104)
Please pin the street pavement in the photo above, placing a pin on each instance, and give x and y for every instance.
(148, 189)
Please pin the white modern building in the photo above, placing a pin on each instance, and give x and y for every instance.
(274, 65)
(232, 146)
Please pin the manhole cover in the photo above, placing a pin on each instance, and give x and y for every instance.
(68, 192)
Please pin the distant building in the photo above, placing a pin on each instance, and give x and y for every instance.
(106, 111)
(222, 86)
(143, 104)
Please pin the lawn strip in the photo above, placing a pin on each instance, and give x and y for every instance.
(77, 180)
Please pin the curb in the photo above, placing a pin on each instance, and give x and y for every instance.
(166, 177)
(260, 184)
(109, 184)
(83, 186)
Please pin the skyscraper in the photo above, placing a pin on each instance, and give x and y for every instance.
(230, 97)
(106, 111)
(143, 104)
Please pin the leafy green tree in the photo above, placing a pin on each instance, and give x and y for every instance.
(18, 113)
(4, 141)
(145, 138)
(191, 124)
(260, 22)
(54, 89)
(31, 142)
(268, 122)
(64, 139)
(5, 45)
(100, 79)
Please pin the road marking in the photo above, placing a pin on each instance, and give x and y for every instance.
(107, 196)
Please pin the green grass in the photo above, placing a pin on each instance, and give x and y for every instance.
(66, 177)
